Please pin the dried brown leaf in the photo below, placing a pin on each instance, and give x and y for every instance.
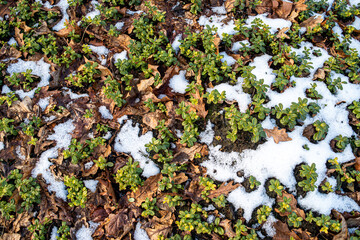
(292, 204)
(223, 189)
(152, 119)
(118, 225)
(282, 34)
(319, 74)
(343, 234)
(229, 232)
(187, 154)
(11, 236)
(148, 189)
(279, 135)
(311, 22)
(229, 5)
(160, 226)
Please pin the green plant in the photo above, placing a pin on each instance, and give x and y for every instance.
(253, 182)
(312, 93)
(243, 122)
(195, 6)
(77, 192)
(275, 186)
(79, 151)
(129, 176)
(102, 163)
(173, 201)
(112, 90)
(284, 205)
(341, 142)
(38, 229)
(150, 207)
(310, 176)
(220, 201)
(25, 79)
(263, 213)
(6, 127)
(294, 220)
(321, 129)
(85, 75)
(9, 98)
(355, 109)
(89, 113)
(214, 96)
(326, 187)
(63, 231)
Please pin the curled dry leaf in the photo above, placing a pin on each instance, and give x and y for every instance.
(149, 188)
(187, 154)
(160, 226)
(152, 119)
(225, 188)
(229, 5)
(282, 34)
(319, 74)
(343, 234)
(311, 22)
(226, 224)
(279, 135)
(292, 204)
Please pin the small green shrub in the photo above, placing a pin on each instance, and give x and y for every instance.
(77, 192)
(129, 176)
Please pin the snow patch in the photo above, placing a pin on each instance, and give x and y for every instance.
(128, 141)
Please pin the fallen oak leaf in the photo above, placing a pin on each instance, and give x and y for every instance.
(343, 234)
(292, 204)
(226, 224)
(223, 189)
(278, 135)
(282, 34)
(160, 226)
(311, 22)
(229, 5)
(149, 187)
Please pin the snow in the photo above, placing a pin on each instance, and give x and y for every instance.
(39, 68)
(121, 56)
(74, 95)
(63, 5)
(217, 21)
(119, 25)
(63, 139)
(229, 60)
(208, 135)
(128, 141)
(176, 44)
(43, 103)
(12, 41)
(273, 23)
(88, 165)
(140, 234)
(219, 10)
(85, 233)
(102, 52)
(179, 83)
(234, 93)
(356, 23)
(237, 45)
(328, 201)
(2, 146)
(19, 154)
(105, 113)
(91, 184)
(54, 233)
(95, 12)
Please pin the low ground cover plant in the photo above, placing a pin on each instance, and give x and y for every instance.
(128, 118)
